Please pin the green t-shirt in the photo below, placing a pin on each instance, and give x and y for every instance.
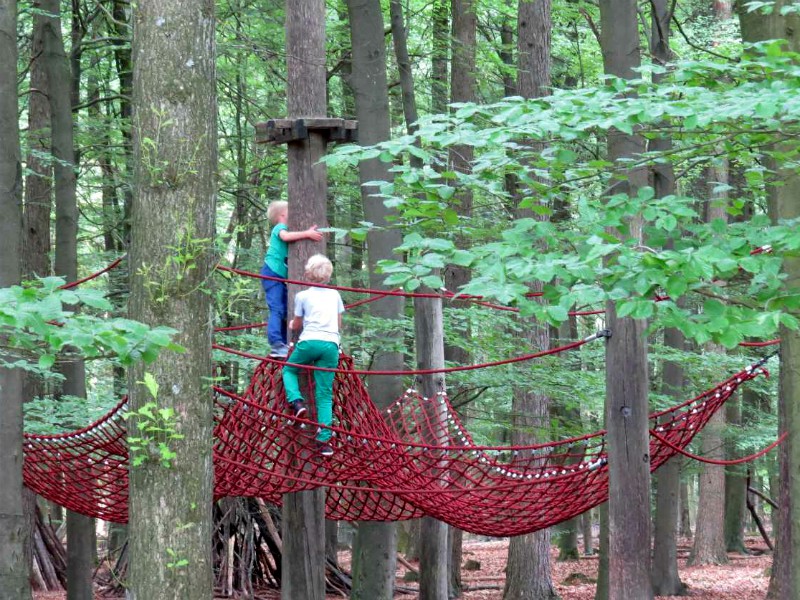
(278, 252)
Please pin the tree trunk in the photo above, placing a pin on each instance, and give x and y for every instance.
(80, 529)
(440, 35)
(528, 572)
(566, 534)
(303, 564)
(462, 89)
(38, 190)
(14, 566)
(601, 591)
(735, 486)
(172, 256)
(784, 204)
(666, 580)
(433, 584)
(586, 532)
(38, 206)
(709, 541)
(626, 358)
(375, 544)
(685, 519)
(332, 541)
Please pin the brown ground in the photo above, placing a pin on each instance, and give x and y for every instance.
(744, 578)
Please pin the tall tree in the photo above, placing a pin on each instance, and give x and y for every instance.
(429, 330)
(462, 89)
(374, 548)
(783, 193)
(666, 580)
(14, 566)
(303, 559)
(80, 529)
(171, 258)
(709, 540)
(626, 355)
(528, 572)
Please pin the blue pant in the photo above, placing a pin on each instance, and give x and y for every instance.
(276, 301)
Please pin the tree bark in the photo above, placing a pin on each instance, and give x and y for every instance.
(375, 544)
(303, 566)
(709, 541)
(433, 584)
(528, 572)
(80, 529)
(440, 34)
(601, 591)
(735, 485)
(784, 204)
(38, 190)
(462, 89)
(172, 257)
(14, 566)
(666, 580)
(626, 358)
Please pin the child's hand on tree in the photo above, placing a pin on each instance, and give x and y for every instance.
(295, 324)
(312, 234)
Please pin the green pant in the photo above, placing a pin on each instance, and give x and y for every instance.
(320, 354)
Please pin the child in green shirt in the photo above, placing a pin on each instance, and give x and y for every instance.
(275, 265)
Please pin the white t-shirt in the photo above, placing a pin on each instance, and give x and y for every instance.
(320, 309)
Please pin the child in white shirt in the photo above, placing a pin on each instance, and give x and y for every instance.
(319, 312)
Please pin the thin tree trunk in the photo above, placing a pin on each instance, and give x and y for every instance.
(709, 541)
(735, 485)
(175, 148)
(375, 544)
(14, 565)
(602, 591)
(433, 584)
(666, 580)
(80, 529)
(586, 532)
(440, 34)
(462, 89)
(626, 358)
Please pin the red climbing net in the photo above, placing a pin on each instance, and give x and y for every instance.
(414, 458)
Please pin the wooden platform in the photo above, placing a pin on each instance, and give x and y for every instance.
(282, 131)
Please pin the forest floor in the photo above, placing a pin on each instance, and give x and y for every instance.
(745, 577)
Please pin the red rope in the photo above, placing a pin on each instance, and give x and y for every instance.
(495, 363)
(760, 344)
(76, 283)
(343, 288)
(380, 294)
(712, 461)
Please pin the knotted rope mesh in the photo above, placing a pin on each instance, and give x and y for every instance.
(414, 458)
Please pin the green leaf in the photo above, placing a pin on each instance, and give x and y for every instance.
(433, 281)
(151, 384)
(46, 361)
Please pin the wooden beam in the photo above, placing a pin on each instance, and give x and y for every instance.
(283, 131)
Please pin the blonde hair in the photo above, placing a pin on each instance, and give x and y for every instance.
(319, 269)
(275, 208)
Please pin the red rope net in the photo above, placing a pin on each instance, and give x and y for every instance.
(413, 459)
